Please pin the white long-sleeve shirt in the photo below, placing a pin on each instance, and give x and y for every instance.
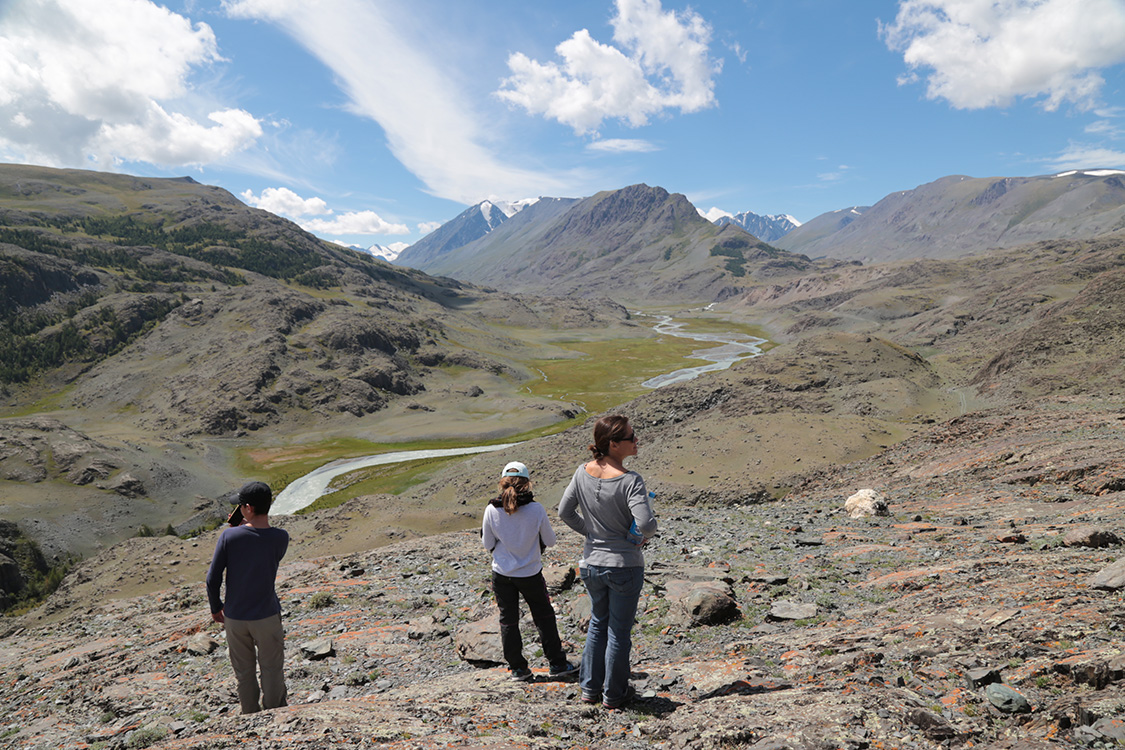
(514, 539)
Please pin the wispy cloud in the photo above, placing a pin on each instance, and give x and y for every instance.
(285, 202)
(661, 61)
(623, 145)
(1106, 128)
(391, 79)
(834, 176)
(1086, 156)
(98, 84)
(983, 53)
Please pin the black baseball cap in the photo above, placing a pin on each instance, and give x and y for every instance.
(257, 494)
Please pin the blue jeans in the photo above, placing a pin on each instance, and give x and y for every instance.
(614, 593)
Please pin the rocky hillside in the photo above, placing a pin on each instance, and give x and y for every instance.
(957, 215)
(981, 610)
(637, 244)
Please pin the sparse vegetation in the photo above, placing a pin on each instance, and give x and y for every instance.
(321, 600)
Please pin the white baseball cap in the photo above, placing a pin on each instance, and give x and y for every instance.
(515, 469)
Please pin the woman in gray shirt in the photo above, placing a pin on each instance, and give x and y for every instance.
(603, 502)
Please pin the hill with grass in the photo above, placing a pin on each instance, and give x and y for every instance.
(152, 330)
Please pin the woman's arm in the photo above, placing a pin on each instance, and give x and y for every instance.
(640, 505)
(568, 508)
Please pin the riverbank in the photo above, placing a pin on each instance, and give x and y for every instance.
(729, 349)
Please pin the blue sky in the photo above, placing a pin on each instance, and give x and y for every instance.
(374, 121)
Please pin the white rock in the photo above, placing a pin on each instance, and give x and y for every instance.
(866, 502)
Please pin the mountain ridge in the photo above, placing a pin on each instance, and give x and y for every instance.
(956, 214)
(637, 242)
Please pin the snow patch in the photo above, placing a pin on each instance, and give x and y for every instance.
(1091, 172)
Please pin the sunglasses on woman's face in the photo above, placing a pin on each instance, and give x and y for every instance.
(630, 438)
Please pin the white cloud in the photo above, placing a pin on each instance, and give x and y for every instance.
(661, 62)
(428, 226)
(287, 203)
(986, 53)
(96, 84)
(714, 214)
(623, 145)
(356, 222)
(1085, 156)
(430, 126)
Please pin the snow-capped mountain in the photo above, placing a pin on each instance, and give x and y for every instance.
(766, 228)
(471, 224)
(386, 252)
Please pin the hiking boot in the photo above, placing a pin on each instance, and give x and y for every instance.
(564, 670)
(521, 675)
(630, 694)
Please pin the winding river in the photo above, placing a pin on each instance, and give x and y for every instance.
(730, 348)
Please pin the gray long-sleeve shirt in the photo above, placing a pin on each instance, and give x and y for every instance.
(602, 510)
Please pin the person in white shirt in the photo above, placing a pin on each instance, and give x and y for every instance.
(515, 530)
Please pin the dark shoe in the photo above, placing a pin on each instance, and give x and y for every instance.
(562, 671)
(630, 694)
(592, 698)
(521, 675)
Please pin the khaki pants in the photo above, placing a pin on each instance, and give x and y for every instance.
(267, 637)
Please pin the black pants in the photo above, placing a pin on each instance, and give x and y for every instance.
(534, 591)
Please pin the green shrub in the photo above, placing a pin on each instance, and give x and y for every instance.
(320, 600)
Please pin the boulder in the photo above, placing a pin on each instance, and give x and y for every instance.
(1006, 699)
(1109, 578)
(867, 502)
(480, 641)
(1090, 536)
(701, 602)
(559, 578)
(321, 648)
(200, 644)
(785, 610)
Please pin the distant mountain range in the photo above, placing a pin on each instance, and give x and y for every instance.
(550, 248)
(635, 243)
(957, 215)
(387, 253)
(765, 228)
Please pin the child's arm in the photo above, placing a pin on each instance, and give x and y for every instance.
(487, 536)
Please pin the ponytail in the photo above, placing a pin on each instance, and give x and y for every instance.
(510, 490)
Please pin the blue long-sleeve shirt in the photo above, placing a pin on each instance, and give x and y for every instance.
(250, 558)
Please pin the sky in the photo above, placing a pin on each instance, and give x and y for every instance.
(375, 121)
